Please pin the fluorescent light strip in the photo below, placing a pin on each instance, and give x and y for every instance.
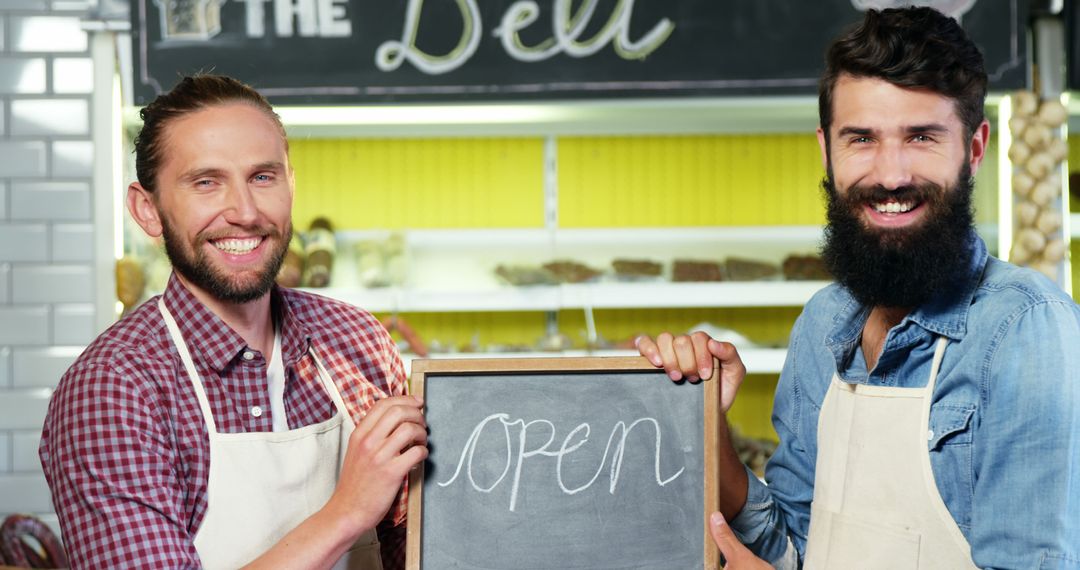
(420, 115)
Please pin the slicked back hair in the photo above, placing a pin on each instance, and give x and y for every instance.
(191, 94)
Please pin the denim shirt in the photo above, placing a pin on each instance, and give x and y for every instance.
(1004, 427)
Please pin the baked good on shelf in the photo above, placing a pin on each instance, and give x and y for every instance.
(740, 269)
(805, 268)
(631, 269)
(684, 270)
(567, 271)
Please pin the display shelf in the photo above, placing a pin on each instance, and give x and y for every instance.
(757, 360)
(454, 270)
(580, 296)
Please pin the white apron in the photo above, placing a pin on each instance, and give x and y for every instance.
(876, 504)
(264, 484)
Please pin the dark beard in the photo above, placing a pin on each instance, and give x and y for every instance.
(900, 267)
(197, 270)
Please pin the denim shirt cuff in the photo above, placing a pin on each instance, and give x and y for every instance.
(753, 520)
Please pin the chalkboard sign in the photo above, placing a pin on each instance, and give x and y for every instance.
(350, 51)
(563, 463)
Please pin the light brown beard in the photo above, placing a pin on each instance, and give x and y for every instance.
(195, 266)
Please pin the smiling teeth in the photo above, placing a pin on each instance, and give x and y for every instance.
(893, 207)
(237, 246)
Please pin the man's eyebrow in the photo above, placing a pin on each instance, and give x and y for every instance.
(931, 128)
(857, 131)
(936, 128)
(270, 165)
(199, 173)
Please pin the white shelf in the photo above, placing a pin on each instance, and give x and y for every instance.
(454, 270)
(757, 360)
(581, 296)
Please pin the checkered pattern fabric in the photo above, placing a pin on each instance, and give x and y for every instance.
(124, 446)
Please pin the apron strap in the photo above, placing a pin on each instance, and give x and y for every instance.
(939, 355)
(189, 365)
(331, 388)
(928, 395)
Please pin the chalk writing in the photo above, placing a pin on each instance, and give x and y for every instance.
(567, 26)
(619, 434)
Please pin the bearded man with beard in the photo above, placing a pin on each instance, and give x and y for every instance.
(928, 412)
(229, 422)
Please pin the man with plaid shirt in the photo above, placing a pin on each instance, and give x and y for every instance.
(230, 422)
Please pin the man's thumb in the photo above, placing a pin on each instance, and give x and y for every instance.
(725, 538)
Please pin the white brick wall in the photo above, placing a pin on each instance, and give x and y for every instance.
(5, 285)
(52, 284)
(22, 159)
(41, 367)
(23, 242)
(5, 371)
(43, 117)
(24, 457)
(3, 184)
(5, 452)
(47, 257)
(22, 75)
(69, 201)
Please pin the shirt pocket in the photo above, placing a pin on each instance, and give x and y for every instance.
(950, 448)
(949, 425)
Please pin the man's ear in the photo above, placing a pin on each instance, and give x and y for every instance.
(824, 145)
(143, 208)
(977, 150)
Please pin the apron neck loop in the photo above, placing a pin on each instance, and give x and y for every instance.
(189, 365)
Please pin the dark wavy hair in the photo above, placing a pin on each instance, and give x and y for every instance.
(913, 48)
(189, 95)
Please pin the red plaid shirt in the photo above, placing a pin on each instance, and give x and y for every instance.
(125, 447)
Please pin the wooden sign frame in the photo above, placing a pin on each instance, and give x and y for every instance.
(501, 366)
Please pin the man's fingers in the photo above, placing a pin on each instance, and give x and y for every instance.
(729, 357)
(704, 358)
(404, 437)
(647, 348)
(666, 344)
(392, 419)
(387, 413)
(684, 353)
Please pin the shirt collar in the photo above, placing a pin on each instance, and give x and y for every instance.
(944, 315)
(947, 315)
(295, 333)
(211, 340)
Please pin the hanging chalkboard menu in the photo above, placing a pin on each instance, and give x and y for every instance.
(563, 463)
(352, 51)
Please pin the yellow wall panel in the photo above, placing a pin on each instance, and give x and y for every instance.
(1074, 151)
(419, 183)
(689, 180)
(751, 414)
(1074, 248)
(1074, 166)
(767, 326)
(459, 330)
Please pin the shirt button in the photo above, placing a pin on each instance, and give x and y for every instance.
(248, 355)
(929, 435)
(256, 411)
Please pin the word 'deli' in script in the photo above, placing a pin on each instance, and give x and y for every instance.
(617, 438)
(567, 25)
